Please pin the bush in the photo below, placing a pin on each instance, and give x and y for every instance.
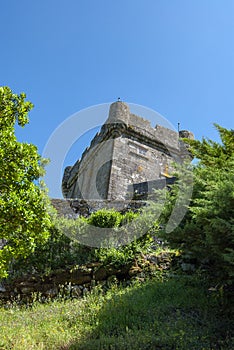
(125, 254)
(59, 251)
(63, 250)
(206, 234)
(128, 217)
(105, 218)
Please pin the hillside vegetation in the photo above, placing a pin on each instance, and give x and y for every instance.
(168, 290)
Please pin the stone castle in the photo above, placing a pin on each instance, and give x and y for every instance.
(127, 157)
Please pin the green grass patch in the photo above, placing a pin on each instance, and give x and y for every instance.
(174, 313)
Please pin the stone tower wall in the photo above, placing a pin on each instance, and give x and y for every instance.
(119, 113)
(135, 162)
(127, 150)
(90, 178)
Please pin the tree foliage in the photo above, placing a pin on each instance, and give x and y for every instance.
(206, 235)
(24, 220)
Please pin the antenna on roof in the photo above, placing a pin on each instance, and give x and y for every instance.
(178, 127)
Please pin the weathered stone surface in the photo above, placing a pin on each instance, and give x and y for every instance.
(100, 274)
(127, 150)
(81, 276)
(63, 208)
(2, 288)
(77, 282)
(76, 291)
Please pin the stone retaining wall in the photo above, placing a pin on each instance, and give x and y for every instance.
(75, 207)
(79, 280)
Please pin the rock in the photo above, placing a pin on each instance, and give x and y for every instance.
(2, 288)
(92, 265)
(85, 291)
(100, 274)
(76, 291)
(27, 290)
(77, 282)
(81, 276)
(52, 292)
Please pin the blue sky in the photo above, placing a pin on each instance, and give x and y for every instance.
(175, 57)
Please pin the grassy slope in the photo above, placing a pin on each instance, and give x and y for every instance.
(172, 313)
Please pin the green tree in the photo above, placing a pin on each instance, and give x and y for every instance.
(206, 235)
(24, 220)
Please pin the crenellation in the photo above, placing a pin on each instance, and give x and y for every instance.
(140, 122)
(126, 150)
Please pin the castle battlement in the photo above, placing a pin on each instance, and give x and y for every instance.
(125, 151)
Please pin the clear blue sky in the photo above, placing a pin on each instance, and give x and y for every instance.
(175, 57)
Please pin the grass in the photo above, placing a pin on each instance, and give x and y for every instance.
(171, 313)
(45, 326)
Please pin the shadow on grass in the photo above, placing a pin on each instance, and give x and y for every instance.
(173, 314)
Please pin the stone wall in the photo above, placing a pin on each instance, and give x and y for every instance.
(91, 181)
(76, 282)
(73, 208)
(135, 162)
(63, 208)
(127, 150)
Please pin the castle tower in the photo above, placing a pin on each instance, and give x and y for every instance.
(126, 151)
(119, 113)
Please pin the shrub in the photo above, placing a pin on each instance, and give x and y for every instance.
(128, 217)
(206, 234)
(105, 218)
(60, 251)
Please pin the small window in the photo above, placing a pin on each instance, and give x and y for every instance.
(134, 148)
(142, 151)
